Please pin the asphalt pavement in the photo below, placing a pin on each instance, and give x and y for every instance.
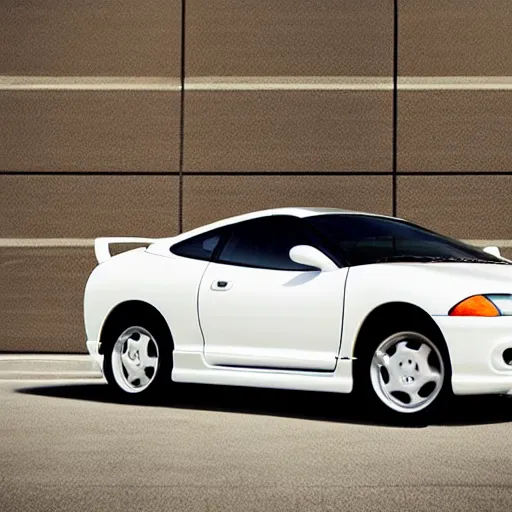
(70, 445)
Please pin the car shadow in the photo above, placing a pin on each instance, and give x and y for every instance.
(332, 407)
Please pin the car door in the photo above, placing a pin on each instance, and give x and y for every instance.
(258, 308)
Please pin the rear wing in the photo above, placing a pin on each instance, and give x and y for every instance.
(102, 245)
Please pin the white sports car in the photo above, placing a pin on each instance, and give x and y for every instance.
(305, 298)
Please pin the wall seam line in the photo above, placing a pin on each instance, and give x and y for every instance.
(182, 119)
(395, 109)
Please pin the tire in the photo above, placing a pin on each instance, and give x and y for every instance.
(403, 374)
(138, 356)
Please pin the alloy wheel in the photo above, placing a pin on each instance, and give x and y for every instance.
(407, 372)
(135, 359)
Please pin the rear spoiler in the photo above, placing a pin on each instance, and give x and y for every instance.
(102, 245)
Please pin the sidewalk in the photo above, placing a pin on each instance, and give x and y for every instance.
(48, 366)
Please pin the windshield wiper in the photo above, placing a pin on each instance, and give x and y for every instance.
(406, 258)
(432, 259)
(474, 260)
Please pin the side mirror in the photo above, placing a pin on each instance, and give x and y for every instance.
(493, 250)
(307, 255)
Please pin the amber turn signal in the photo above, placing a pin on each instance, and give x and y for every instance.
(478, 305)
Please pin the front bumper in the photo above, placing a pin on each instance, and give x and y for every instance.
(92, 347)
(476, 346)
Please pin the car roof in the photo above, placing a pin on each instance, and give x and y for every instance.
(296, 211)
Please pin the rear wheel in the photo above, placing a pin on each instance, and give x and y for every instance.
(138, 357)
(404, 374)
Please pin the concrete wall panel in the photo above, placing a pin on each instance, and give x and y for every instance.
(467, 207)
(455, 131)
(88, 206)
(70, 131)
(210, 198)
(41, 304)
(268, 38)
(96, 38)
(288, 131)
(454, 38)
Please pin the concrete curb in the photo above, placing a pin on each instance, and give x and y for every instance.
(48, 366)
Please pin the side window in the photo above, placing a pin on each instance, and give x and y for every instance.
(199, 247)
(266, 243)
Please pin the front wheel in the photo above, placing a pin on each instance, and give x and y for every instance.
(404, 374)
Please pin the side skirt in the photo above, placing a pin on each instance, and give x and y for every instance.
(192, 367)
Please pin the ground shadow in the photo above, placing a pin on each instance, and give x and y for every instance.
(273, 402)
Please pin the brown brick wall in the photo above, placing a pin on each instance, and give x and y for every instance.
(87, 162)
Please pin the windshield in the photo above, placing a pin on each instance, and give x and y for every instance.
(363, 239)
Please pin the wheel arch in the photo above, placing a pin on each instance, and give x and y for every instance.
(399, 313)
(127, 309)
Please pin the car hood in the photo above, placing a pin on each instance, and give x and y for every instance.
(435, 287)
(449, 283)
(480, 273)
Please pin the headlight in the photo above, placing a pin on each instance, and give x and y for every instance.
(484, 305)
(502, 302)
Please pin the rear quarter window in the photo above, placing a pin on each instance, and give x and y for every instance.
(200, 247)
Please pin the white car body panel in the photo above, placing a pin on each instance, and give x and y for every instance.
(309, 355)
(192, 367)
(293, 321)
(433, 287)
(476, 347)
(170, 288)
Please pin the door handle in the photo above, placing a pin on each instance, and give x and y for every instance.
(220, 286)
